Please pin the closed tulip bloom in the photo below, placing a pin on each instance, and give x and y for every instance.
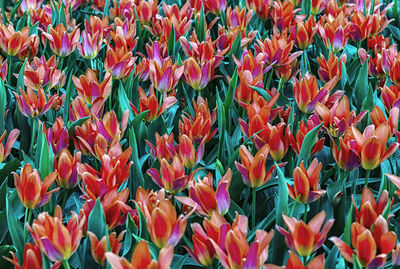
(67, 169)
(61, 42)
(32, 258)
(391, 96)
(56, 240)
(346, 155)
(189, 155)
(91, 45)
(203, 250)
(164, 148)
(31, 190)
(198, 75)
(305, 188)
(3, 69)
(253, 168)
(119, 60)
(205, 199)
(6, 149)
(57, 136)
(297, 142)
(370, 248)
(304, 238)
(304, 33)
(31, 104)
(378, 117)
(330, 68)
(110, 128)
(141, 258)
(99, 248)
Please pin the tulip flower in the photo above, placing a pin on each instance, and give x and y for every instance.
(12, 42)
(57, 136)
(370, 209)
(297, 142)
(31, 104)
(199, 126)
(57, 241)
(330, 68)
(253, 169)
(110, 128)
(391, 96)
(31, 190)
(163, 224)
(305, 189)
(119, 61)
(316, 6)
(79, 109)
(40, 72)
(303, 238)
(6, 149)
(146, 10)
(295, 263)
(370, 248)
(61, 42)
(189, 155)
(141, 258)
(371, 145)
(165, 75)
(396, 181)
(3, 69)
(396, 256)
(151, 102)
(164, 148)
(127, 30)
(334, 31)
(304, 32)
(205, 199)
(203, 250)
(67, 169)
(278, 140)
(307, 93)
(32, 258)
(237, 252)
(215, 6)
(284, 15)
(99, 248)
(91, 45)
(378, 117)
(172, 177)
(31, 50)
(90, 89)
(198, 75)
(261, 7)
(338, 118)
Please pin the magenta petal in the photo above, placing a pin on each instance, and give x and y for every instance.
(51, 251)
(243, 171)
(175, 236)
(252, 256)
(153, 173)
(223, 198)
(320, 96)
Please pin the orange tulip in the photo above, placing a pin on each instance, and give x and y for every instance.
(303, 238)
(396, 256)
(110, 128)
(31, 104)
(146, 10)
(90, 89)
(215, 6)
(198, 75)
(338, 118)
(31, 50)
(199, 126)
(371, 145)
(378, 118)
(57, 136)
(283, 14)
(346, 156)
(305, 189)
(99, 248)
(151, 102)
(205, 199)
(55, 239)
(334, 31)
(253, 169)
(172, 177)
(237, 252)
(12, 42)
(119, 60)
(141, 258)
(163, 224)
(261, 7)
(189, 155)
(79, 109)
(391, 96)
(91, 45)
(3, 69)
(127, 30)
(294, 262)
(370, 209)
(330, 68)
(304, 32)
(370, 248)
(396, 181)
(316, 6)
(61, 42)
(67, 169)
(32, 258)
(31, 190)
(164, 148)
(307, 93)
(6, 149)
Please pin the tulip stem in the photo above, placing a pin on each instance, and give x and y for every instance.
(33, 135)
(253, 214)
(28, 215)
(66, 264)
(9, 60)
(305, 213)
(367, 177)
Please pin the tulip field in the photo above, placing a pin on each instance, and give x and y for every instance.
(233, 134)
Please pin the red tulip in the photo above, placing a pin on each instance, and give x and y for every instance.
(6, 149)
(164, 148)
(67, 169)
(61, 42)
(99, 248)
(32, 258)
(31, 104)
(330, 68)
(12, 42)
(90, 89)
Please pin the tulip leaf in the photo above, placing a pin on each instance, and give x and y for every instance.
(62, 19)
(262, 225)
(395, 31)
(344, 78)
(356, 262)
(106, 8)
(368, 102)
(124, 103)
(180, 262)
(15, 229)
(200, 25)
(281, 206)
(347, 231)
(236, 46)
(137, 169)
(171, 41)
(361, 86)
(3, 104)
(262, 92)
(304, 63)
(3, 12)
(44, 157)
(131, 229)
(221, 127)
(308, 143)
(67, 101)
(234, 207)
(15, 9)
(230, 95)
(143, 232)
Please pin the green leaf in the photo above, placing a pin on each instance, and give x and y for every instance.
(179, 264)
(234, 207)
(356, 262)
(368, 102)
(236, 46)
(308, 143)
(230, 95)
(262, 92)
(3, 104)
(62, 19)
(68, 95)
(347, 231)
(137, 169)
(15, 9)
(361, 86)
(97, 221)
(131, 229)
(344, 77)
(106, 8)
(171, 41)
(221, 128)
(124, 103)
(79, 122)
(16, 232)
(143, 232)
(304, 63)
(200, 25)
(281, 206)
